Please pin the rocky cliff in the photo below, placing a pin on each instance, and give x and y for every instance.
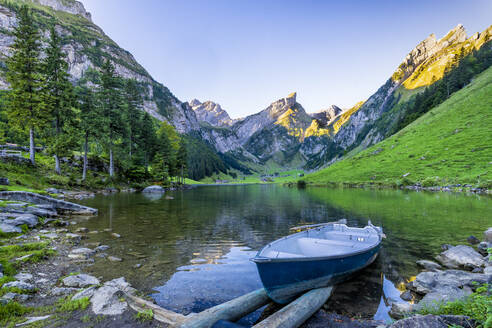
(86, 46)
(424, 65)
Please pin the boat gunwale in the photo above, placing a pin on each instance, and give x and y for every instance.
(263, 259)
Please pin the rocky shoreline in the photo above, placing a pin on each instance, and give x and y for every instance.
(52, 274)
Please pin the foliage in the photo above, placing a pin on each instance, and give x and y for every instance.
(10, 311)
(477, 306)
(69, 305)
(145, 315)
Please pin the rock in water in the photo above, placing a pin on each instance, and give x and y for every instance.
(429, 265)
(473, 240)
(461, 256)
(488, 235)
(154, 189)
(80, 280)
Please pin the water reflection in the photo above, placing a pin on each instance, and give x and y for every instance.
(195, 247)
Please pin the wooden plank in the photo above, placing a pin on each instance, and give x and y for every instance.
(312, 226)
(162, 315)
(231, 311)
(294, 314)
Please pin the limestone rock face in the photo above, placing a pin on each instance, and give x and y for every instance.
(70, 6)
(327, 115)
(211, 113)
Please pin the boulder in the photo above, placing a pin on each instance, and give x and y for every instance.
(434, 321)
(488, 235)
(52, 191)
(461, 256)
(106, 301)
(406, 296)
(400, 310)
(154, 189)
(80, 280)
(8, 228)
(4, 181)
(488, 271)
(429, 265)
(28, 219)
(427, 282)
(473, 240)
(20, 284)
(40, 211)
(483, 247)
(441, 294)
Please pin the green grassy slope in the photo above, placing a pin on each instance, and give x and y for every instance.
(450, 144)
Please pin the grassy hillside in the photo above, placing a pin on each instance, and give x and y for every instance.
(450, 144)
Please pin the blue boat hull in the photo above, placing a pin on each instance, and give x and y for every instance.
(283, 280)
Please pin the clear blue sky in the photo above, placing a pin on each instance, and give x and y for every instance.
(245, 54)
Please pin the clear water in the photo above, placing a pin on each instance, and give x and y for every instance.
(194, 249)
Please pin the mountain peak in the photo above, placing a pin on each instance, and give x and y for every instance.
(70, 6)
(326, 115)
(210, 112)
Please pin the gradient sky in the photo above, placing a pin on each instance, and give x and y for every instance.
(246, 54)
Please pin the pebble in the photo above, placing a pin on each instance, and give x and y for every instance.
(115, 235)
(114, 259)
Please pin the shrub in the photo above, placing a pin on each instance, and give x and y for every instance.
(301, 184)
(146, 315)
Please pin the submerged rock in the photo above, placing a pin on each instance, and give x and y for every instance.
(472, 240)
(154, 189)
(429, 265)
(488, 235)
(461, 256)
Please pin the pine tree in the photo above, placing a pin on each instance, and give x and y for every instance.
(59, 99)
(164, 157)
(89, 117)
(147, 139)
(111, 110)
(133, 103)
(26, 107)
(181, 159)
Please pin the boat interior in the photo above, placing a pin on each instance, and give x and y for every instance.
(330, 240)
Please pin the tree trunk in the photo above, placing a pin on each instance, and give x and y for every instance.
(86, 146)
(111, 167)
(57, 164)
(32, 151)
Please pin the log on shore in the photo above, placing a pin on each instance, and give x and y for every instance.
(294, 314)
(231, 311)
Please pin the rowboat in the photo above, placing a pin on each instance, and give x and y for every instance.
(314, 258)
